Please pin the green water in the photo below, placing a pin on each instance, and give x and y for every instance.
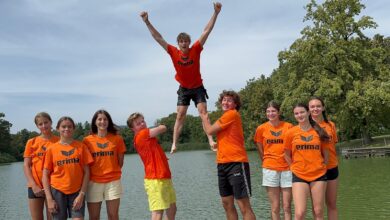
(363, 193)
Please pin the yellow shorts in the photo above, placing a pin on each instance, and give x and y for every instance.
(97, 192)
(161, 193)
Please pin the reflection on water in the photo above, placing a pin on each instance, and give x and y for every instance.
(363, 193)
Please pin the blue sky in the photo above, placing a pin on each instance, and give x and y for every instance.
(74, 57)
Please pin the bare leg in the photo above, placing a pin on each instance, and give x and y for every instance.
(331, 198)
(113, 209)
(180, 117)
(36, 208)
(317, 189)
(300, 193)
(202, 109)
(287, 196)
(246, 209)
(94, 210)
(230, 209)
(274, 199)
(171, 212)
(157, 214)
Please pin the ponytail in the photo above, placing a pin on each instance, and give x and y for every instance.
(320, 131)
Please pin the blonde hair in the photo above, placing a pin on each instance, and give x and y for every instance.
(42, 115)
(132, 118)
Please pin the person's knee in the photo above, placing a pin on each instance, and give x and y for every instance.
(287, 207)
(275, 208)
(318, 211)
(227, 204)
(299, 214)
(331, 205)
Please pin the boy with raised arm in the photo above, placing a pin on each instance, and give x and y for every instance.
(157, 180)
(186, 61)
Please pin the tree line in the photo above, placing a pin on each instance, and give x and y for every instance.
(332, 59)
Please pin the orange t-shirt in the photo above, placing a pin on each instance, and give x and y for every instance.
(230, 139)
(330, 128)
(66, 164)
(105, 167)
(272, 140)
(152, 155)
(36, 149)
(307, 160)
(187, 66)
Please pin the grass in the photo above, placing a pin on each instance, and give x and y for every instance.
(379, 141)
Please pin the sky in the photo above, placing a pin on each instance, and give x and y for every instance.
(73, 57)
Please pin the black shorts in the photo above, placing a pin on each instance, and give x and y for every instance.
(234, 179)
(332, 173)
(31, 194)
(185, 96)
(296, 179)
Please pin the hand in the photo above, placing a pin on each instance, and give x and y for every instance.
(217, 7)
(213, 146)
(38, 192)
(144, 16)
(173, 149)
(78, 202)
(52, 206)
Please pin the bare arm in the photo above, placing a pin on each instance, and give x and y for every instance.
(208, 128)
(325, 154)
(157, 130)
(27, 166)
(210, 25)
(121, 157)
(155, 34)
(51, 203)
(287, 156)
(78, 202)
(260, 150)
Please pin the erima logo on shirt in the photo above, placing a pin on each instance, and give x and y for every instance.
(40, 154)
(102, 146)
(67, 153)
(236, 174)
(276, 134)
(307, 139)
(184, 58)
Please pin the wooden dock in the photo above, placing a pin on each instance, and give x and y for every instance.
(362, 152)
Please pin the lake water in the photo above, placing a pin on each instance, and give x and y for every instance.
(364, 191)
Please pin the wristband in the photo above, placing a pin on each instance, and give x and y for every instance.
(82, 193)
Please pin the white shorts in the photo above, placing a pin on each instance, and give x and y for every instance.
(273, 178)
(97, 192)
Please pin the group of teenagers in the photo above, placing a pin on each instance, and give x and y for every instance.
(298, 161)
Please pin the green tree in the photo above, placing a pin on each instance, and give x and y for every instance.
(335, 60)
(255, 97)
(5, 135)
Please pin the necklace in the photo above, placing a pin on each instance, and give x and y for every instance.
(305, 128)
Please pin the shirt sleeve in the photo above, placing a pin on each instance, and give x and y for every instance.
(48, 160)
(226, 119)
(28, 150)
(287, 142)
(258, 138)
(121, 146)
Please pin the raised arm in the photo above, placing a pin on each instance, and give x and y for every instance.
(210, 25)
(157, 130)
(155, 34)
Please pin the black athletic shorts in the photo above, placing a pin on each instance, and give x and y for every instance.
(185, 96)
(234, 179)
(31, 194)
(296, 179)
(332, 173)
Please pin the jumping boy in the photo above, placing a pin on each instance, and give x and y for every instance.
(157, 181)
(186, 61)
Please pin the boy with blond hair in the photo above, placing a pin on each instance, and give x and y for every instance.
(157, 180)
